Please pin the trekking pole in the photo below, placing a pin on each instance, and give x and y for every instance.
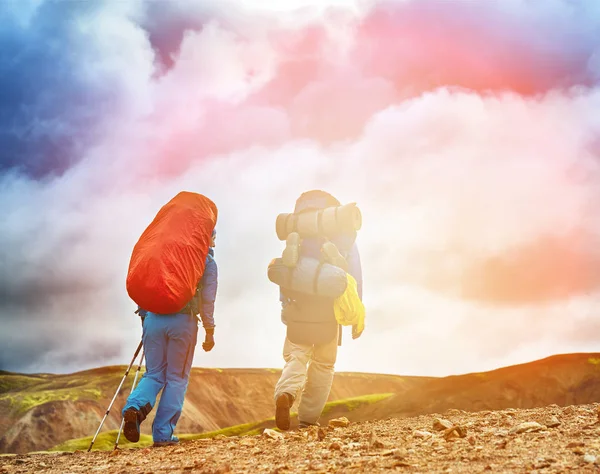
(137, 351)
(137, 373)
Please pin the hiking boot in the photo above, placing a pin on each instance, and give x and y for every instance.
(333, 256)
(282, 411)
(131, 429)
(172, 442)
(291, 253)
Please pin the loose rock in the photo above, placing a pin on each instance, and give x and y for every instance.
(527, 427)
(342, 422)
(440, 424)
(335, 446)
(455, 432)
(552, 422)
(576, 444)
(272, 434)
(312, 433)
(374, 442)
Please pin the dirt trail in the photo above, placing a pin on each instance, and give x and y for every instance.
(544, 440)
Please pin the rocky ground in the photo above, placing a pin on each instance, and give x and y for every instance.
(544, 440)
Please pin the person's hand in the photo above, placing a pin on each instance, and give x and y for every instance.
(355, 333)
(209, 339)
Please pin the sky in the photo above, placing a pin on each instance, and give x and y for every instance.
(467, 132)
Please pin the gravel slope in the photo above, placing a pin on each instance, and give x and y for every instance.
(550, 439)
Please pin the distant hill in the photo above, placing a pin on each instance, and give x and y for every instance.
(570, 379)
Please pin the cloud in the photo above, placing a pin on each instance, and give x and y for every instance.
(467, 134)
(483, 46)
(61, 80)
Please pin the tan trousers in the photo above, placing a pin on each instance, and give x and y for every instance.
(308, 370)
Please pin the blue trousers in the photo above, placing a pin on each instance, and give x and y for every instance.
(169, 342)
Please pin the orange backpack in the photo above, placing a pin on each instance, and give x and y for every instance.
(169, 258)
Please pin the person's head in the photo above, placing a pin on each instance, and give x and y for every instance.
(213, 238)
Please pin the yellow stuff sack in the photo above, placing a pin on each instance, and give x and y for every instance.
(348, 308)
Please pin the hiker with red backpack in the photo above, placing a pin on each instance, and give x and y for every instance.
(320, 279)
(173, 278)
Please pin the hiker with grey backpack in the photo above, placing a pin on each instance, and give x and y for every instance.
(320, 280)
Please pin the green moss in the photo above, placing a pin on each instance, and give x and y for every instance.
(350, 404)
(237, 430)
(22, 393)
(104, 442)
(22, 402)
(10, 383)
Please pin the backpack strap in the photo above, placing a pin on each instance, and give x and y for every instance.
(316, 278)
(194, 306)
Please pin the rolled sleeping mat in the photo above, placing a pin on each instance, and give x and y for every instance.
(309, 276)
(320, 222)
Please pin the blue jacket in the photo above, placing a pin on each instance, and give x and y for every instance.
(355, 268)
(209, 290)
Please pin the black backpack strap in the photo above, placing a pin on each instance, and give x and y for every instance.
(194, 306)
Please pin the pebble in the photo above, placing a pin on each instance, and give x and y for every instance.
(342, 422)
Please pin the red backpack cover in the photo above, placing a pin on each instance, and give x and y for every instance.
(169, 258)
